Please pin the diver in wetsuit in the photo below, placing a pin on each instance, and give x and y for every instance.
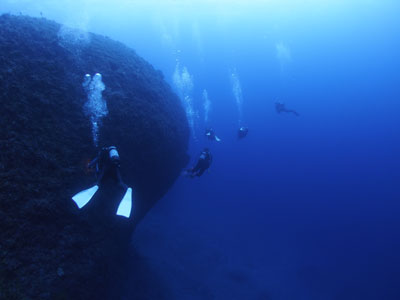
(107, 165)
(280, 107)
(242, 132)
(210, 134)
(202, 165)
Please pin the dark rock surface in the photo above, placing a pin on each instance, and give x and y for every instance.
(48, 248)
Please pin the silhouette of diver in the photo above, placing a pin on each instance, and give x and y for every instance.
(202, 165)
(107, 164)
(210, 134)
(280, 107)
(242, 132)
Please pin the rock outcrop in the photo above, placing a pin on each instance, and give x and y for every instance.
(48, 248)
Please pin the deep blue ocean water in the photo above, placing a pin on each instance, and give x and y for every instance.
(304, 207)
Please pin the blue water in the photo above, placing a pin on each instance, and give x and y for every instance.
(302, 208)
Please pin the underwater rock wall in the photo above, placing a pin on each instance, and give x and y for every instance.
(48, 248)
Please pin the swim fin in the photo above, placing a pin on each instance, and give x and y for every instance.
(83, 197)
(217, 139)
(125, 207)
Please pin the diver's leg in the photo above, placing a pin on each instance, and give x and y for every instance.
(100, 176)
(197, 167)
(292, 111)
(119, 178)
(202, 167)
(201, 171)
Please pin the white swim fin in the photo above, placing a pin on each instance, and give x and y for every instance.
(217, 139)
(125, 207)
(83, 197)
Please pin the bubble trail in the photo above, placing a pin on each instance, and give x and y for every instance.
(183, 82)
(237, 92)
(95, 107)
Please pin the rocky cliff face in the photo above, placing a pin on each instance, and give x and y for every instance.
(48, 248)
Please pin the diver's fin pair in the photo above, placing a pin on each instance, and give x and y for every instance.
(83, 197)
(124, 208)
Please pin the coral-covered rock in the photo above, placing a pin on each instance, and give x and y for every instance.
(49, 248)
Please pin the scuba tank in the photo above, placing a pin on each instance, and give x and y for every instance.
(113, 154)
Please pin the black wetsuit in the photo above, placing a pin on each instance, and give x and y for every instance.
(107, 166)
(210, 134)
(242, 132)
(280, 107)
(202, 165)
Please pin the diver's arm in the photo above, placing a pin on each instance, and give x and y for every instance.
(93, 162)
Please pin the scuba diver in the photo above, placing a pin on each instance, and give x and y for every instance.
(210, 134)
(202, 165)
(242, 132)
(280, 107)
(107, 164)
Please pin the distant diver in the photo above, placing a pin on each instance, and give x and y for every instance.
(107, 165)
(242, 132)
(280, 107)
(202, 165)
(210, 134)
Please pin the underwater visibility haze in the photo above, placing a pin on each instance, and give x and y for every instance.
(307, 204)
